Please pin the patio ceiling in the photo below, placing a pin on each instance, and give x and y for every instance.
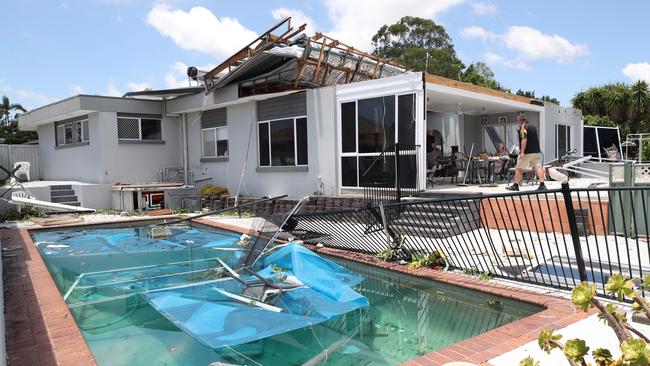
(452, 99)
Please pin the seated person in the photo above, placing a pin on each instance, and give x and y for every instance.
(501, 167)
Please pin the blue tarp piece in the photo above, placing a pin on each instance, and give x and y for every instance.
(217, 321)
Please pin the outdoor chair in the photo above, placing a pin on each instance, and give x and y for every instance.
(23, 171)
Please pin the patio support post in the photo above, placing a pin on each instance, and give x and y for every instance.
(398, 189)
(186, 166)
(575, 236)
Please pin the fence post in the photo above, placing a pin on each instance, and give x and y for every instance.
(573, 226)
(398, 188)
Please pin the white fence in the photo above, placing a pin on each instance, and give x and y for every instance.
(9, 154)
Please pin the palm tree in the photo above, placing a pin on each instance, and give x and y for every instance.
(594, 100)
(578, 101)
(616, 97)
(638, 103)
(6, 108)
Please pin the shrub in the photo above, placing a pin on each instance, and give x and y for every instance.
(635, 350)
(603, 121)
(27, 212)
(209, 190)
(432, 260)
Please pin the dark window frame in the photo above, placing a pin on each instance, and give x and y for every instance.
(60, 135)
(140, 135)
(265, 158)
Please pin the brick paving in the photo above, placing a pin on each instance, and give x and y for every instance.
(39, 328)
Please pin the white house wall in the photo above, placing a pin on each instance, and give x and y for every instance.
(104, 159)
(318, 176)
(138, 162)
(554, 115)
(82, 163)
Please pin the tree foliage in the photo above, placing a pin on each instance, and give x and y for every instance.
(531, 94)
(422, 45)
(10, 134)
(627, 105)
(8, 110)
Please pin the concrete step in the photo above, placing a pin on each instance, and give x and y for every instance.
(60, 187)
(62, 192)
(78, 204)
(64, 199)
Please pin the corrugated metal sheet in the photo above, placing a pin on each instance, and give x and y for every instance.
(214, 118)
(286, 106)
(10, 154)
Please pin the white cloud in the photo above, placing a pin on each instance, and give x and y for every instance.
(528, 45)
(200, 30)
(637, 71)
(298, 18)
(531, 44)
(478, 32)
(484, 8)
(132, 86)
(355, 22)
(76, 89)
(177, 75)
(112, 91)
(493, 58)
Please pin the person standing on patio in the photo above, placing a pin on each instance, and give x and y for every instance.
(529, 155)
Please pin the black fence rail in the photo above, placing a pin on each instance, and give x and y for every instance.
(556, 238)
(391, 175)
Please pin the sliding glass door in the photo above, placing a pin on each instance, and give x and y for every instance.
(372, 126)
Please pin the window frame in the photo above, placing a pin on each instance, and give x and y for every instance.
(215, 143)
(567, 138)
(295, 142)
(356, 154)
(140, 128)
(83, 123)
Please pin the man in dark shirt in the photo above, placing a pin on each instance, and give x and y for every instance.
(529, 154)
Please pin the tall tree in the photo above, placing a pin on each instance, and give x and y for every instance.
(638, 104)
(615, 98)
(7, 109)
(419, 44)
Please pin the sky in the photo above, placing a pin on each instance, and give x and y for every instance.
(58, 48)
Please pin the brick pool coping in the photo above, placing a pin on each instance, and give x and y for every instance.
(41, 331)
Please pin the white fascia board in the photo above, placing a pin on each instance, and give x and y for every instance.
(378, 87)
(479, 96)
(204, 103)
(80, 105)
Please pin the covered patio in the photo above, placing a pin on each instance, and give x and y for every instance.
(471, 122)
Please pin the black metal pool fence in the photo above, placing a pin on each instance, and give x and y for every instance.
(555, 238)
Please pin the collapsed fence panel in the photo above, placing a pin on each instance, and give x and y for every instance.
(555, 238)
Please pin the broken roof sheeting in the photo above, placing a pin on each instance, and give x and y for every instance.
(294, 61)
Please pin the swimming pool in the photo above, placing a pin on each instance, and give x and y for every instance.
(407, 316)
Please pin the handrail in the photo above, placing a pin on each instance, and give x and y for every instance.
(220, 210)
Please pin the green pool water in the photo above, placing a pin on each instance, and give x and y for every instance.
(407, 317)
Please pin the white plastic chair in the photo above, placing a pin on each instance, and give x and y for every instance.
(23, 172)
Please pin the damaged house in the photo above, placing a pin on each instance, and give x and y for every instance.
(287, 114)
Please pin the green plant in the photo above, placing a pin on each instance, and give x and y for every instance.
(181, 211)
(388, 254)
(210, 191)
(434, 259)
(133, 213)
(635, 351)
(645, 150)
(26, 212)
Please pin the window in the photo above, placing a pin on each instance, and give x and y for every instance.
(74, 132)
(139, 129)
(283, 142)
(215, 142)
(368, 127)
(562, 140)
